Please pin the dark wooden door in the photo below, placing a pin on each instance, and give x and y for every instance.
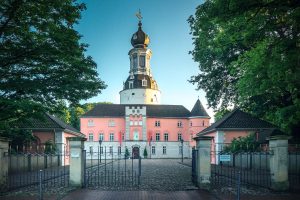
(135, 153)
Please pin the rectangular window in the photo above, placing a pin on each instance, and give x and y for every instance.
(166, 136)
(111, 123)
(164, 150)
(179, 136)
(131, 123)
(179, 124)
(111, 137)
(130, 85)
(140, 122)
(157, 123)
(91, 150)
(91, 137)
(101, 150)
(134, 60)
(142, 61)
(157, 136)
(119, 150)
(91, 122)
(144, 82)
(111, 150)
(153, 150)
(180, 150)
(101, 136)
(135, 123)
(123, 137)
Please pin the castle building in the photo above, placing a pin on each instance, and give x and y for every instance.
(140, 121)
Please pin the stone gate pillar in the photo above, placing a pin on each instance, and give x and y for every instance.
(279, 162)
(77, 160)
(203, 161)
(4, 144)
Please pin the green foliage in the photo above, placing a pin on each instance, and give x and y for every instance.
(73, 113)
(42, 61)
(221, 113)
(145, 153)
(248, 53)
(50, 147)
(242, 144)
(19, 138)
(126, 156)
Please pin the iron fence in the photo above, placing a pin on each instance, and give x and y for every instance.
(111, 169)
(294, 170)
(24, 170)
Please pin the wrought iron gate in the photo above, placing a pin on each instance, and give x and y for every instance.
(111, 170)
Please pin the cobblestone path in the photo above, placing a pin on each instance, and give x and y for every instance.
(165, 174)
(156, 174)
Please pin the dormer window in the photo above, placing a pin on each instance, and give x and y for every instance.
(130, 84)
(144, 82)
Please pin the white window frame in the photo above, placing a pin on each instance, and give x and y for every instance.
(153, 150)
(164, 150)
(144, 82)
(111, 123)
(157, 135)
(130, 84)
(91, 135)
(101, 136)
(179, 136)
(140, 122)
(111, 150)
(179, 124)
(111, 137)
(157, 123)
(166, 137)
(91, 122)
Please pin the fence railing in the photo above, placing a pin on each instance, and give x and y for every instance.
(117, 170)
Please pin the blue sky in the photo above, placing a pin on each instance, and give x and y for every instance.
(107, 26)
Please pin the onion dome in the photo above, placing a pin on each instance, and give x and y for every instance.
(140, 39)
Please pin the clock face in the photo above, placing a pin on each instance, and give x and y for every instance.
(134, 36)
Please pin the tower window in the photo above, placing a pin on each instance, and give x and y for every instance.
(134, 58)
(142, 61)
(130, 85)
(144, 82)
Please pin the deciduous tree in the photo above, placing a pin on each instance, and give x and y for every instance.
(248, 53)
(42, 61)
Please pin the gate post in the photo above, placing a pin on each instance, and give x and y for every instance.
(279, 162)
(3, 163)
(76, 161)
(203, 161)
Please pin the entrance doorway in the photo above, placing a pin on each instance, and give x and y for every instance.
(135, 152)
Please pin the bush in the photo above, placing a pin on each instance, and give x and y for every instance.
(242, 144)
(145, 153)
(126, 155)
(50, 147)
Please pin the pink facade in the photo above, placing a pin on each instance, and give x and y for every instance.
(105, 126)
(173, 127)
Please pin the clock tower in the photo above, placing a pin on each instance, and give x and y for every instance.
(140, 86)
